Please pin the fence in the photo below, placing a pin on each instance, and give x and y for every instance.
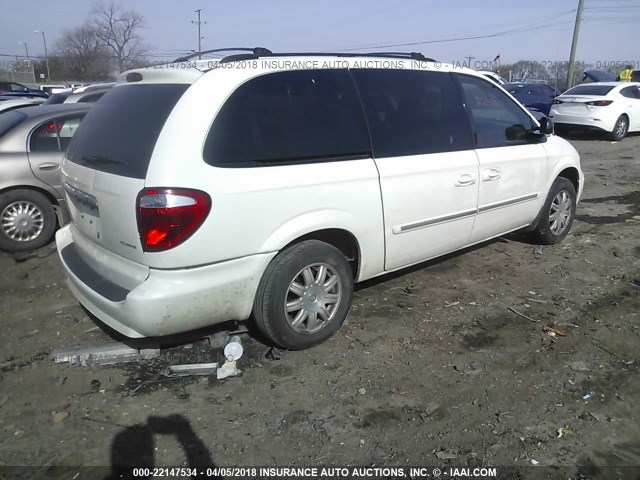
(17, 71)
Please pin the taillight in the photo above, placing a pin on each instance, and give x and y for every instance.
(600, 103)
(168, 216)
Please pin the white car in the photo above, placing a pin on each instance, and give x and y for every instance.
(493, 76)
(267, 186)
(8, 105)
(611, 107)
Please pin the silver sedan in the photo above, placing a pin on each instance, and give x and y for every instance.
(32, 143)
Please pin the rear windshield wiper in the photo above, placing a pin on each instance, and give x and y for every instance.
(100, 159)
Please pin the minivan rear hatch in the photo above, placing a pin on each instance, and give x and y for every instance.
(106, 163)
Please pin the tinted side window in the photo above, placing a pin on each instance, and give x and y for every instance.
(413, 112)
(630, 92)
(56, 99)
(54, 135)
(289, 116)
(94, 97)
(45, 138)
(497, 120)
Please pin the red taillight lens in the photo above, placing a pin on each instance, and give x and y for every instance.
(600, 103)
(168, 216)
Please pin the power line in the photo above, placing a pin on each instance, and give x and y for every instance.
(541, 21)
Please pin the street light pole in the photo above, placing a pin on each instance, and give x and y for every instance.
(26, 49)
(46, 55)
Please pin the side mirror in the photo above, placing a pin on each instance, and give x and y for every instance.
(546, 126)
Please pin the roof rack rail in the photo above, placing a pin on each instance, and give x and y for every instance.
(413, 55)
(255, 51)
(266, 53)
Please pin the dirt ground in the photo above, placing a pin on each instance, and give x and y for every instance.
(432, 368)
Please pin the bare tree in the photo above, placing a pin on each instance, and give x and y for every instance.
(82, 54)
(118, 30)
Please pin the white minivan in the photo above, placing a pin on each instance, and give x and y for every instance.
(265, 186)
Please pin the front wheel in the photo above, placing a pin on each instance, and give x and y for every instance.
(557, 214)
(304, 295)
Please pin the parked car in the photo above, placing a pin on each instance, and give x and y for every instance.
(493, 76)
(14, 103)
(16, 95)
(198, 198)
(52, 89)
(534, 96)
(84, 94)
(610, 107)
(590, 76)
(14, 87)
(32, 142)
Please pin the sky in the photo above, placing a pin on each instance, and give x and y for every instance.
(449, 31)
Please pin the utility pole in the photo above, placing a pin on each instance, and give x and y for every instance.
(46, 54)
(199, 22)
(574, 45)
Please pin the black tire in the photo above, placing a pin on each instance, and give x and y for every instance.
(33, 213)
(274, 293)
(557, 214)
(620, 129)
(560, 130)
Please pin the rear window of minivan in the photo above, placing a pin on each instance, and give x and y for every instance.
(119, 133)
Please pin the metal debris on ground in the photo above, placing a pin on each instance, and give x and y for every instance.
(275, 353)
(103, 354)
(538, 250)
(59, 380)
(552, 331)
(522, 315)
(220, 339)
(588, 396)
(442, 455)
(192, 369)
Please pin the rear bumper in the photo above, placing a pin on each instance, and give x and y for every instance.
(582, 121)
(167, 301)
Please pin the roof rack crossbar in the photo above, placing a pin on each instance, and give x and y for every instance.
(254, 50)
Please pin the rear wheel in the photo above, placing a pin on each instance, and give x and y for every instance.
(620, 129)
(27, 220)
(557, 214)
(304, 295)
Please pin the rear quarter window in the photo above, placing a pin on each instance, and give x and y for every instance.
(119, 133)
